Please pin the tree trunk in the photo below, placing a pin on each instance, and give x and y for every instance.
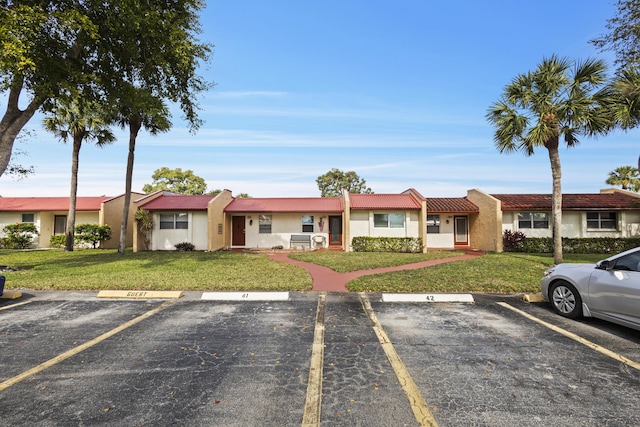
(134, 127)
(556, 200)
(13, 121)
(71, 219)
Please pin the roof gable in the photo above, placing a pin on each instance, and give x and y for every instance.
(49, 204)
(595, 201)
(383, 201)
(178, 202)
(286, 204)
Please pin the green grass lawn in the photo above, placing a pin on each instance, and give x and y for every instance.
(105, 269)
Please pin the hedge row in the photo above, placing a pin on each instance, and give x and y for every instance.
(592, 245)
(387, 244)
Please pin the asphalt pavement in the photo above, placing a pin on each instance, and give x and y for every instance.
(314, 358)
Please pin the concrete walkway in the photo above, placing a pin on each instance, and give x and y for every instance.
(325, 279)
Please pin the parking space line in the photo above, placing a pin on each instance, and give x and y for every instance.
(575, 337)
(419, 406)
(14, 305)
(51, 362)
(313, 402)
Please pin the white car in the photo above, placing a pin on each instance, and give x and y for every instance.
(608, 290)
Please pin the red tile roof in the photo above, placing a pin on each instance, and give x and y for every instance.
(178, 202)
(301, 204)
(451, 204)
(533, 202)
(49, 204)
(383, 201)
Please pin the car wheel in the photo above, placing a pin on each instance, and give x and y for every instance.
(565, 299)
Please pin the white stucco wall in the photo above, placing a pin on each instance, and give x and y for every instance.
(283, 225)
(445, 239)
(44, 221)
(362, 224)
(196, 233)
(574, 225)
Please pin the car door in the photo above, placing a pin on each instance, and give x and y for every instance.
(615, 291)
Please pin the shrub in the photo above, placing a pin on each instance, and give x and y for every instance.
(57, 241)
(587, 245)
(512, 241)
(387, 244)
(185, 247)
(19, 236)
(92, 234)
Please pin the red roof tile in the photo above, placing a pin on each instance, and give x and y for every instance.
(301, 204)
(383, 201)
(616, 200)
(178, 202)
(49, 204)
(451, 204)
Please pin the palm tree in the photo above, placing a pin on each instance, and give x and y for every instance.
(626, 89)
(138, 109)
(555, 101)
(624, 176)
(78, 121)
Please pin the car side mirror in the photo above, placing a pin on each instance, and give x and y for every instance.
(604, 265)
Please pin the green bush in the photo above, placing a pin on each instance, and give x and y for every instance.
(387, 244)
(57, 241)
(92, 234)
(19, 235)
(185, 247)
(588, 245)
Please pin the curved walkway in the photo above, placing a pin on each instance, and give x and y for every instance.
(325, 279)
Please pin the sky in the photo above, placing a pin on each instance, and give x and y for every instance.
(395, 91)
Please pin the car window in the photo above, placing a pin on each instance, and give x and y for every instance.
(629, 262)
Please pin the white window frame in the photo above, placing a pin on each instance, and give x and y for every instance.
(385, 220)
(599, 221)
(173, 221)
(533, 220)
(33, 218)
(433, 224)
(264, 224)
(307, 225)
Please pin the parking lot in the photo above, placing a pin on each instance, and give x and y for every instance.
(312, 358)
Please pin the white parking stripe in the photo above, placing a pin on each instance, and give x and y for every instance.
(421, 411)
(575, 337)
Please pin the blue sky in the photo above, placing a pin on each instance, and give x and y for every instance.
(395, 91)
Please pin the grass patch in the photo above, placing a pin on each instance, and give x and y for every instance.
(493, 272)
(225, 271)
(344, 262)
(105, 269)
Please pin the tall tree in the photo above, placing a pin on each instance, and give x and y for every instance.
(333, 182)
(139, 109)
(176, 181)
(77, 121)
(53, 49)
(561, 99)
(627, 177)
(623, 36)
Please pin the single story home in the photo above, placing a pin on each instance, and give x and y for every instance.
(49, 214)
(211, 223)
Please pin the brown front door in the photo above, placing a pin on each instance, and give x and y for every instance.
(335, 231)
(237, 235)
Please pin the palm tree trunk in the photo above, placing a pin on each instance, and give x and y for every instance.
(134, 127)
(556, 200)
(71, 219)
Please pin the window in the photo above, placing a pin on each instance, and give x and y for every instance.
(395, 220)
(59, 224)
(433, 224)
(629, 262)
(174, 221)
(28, 217)
(307, 223)
(264, 226)
(533, 220)
(602, 220)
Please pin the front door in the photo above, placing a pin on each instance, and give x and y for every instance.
(461, 230)
(335, 230)
(238, 232)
